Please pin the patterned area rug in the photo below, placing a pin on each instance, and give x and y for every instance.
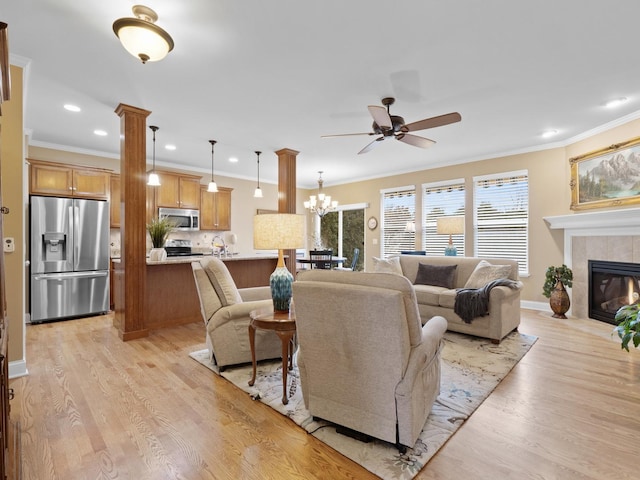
(471, 370)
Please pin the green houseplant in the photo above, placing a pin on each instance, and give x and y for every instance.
(159, 230)
(628, 329)
(556, 279)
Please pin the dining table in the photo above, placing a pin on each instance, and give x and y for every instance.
(314, 262)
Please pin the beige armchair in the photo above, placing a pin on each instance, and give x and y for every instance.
(365, 360)
(225, 311)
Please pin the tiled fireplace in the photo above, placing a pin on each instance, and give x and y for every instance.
(612, 235)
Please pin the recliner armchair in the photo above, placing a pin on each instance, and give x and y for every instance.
(365, 360)
(225, 310)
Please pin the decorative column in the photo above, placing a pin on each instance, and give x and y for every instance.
(287, 192)
(130, 281)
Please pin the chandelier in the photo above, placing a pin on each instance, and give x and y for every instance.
(320, 203)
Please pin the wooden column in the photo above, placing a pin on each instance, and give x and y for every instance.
(129, 307)
(287, 192)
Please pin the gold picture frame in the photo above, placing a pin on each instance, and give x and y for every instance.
(609, 177)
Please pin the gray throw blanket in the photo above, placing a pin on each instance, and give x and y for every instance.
(474, 302)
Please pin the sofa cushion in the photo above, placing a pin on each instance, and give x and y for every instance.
(485, 273)
(438, 275)
(387, 265)
(447, 298)
(428, 294)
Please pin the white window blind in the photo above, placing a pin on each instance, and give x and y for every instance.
(441, 199)
(501, 220)
(398, 210)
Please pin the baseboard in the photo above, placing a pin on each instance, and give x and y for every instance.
(531, 305)
(18, 369)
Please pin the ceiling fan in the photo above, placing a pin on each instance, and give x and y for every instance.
(387, 125)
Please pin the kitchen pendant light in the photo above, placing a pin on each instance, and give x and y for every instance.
(154, 179)
(258, 192)
(141, 37)
(213, 187)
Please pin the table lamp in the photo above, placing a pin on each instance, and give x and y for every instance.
(450, 226)
(281, 231)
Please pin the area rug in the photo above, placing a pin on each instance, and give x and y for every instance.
(471, 370)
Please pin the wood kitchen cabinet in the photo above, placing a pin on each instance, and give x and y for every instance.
(114, 201)
(63, 180)
(215, 209)
(178, 191)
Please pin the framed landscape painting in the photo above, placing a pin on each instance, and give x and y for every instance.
(608, 177)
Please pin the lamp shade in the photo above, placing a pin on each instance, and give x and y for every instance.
(450, 225)
(279, 231)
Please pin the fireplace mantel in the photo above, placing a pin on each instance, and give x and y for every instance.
(601, 223)
(612, 235)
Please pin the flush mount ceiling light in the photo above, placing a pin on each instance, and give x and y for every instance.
(154, 179)
(141, 37)
(213, 187)
(616, 103)
(258, 191)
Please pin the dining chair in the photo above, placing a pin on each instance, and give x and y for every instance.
(321, 259)
(354, 262)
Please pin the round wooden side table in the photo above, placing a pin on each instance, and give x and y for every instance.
(284, 324)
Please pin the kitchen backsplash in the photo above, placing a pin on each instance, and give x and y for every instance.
(201, 241)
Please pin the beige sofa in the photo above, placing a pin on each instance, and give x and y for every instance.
(504, 302)
(366, 361)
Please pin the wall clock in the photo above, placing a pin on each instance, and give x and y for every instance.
(372, 223)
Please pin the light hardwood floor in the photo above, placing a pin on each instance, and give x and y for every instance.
(93, 407)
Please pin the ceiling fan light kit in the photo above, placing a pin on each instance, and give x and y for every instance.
(387, 125)
(141, 37)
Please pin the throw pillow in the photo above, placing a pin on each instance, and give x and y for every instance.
(438, 275)
(485, 273)
(387, 265)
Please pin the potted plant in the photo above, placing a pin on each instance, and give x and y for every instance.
(627, 328)
(159, 230)
(556, 279)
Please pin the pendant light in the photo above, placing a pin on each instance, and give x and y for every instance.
(321, 203)
(141, 37)
(154, 179)
(258, 192)
(213, 187)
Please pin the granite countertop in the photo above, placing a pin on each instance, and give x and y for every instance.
(189, 259)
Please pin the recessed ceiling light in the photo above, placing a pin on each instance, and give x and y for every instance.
(71, 108)
(616, 103)
(233, 159)
(170, 147)
(100, 133)
(549, 133)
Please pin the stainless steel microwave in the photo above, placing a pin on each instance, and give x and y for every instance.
(183, 219)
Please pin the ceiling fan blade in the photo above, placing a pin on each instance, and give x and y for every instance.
(346, 134)
(415, 140)
(432, 122)
(380, 116)
(371, 145)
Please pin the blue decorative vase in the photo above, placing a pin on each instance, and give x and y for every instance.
(281, 282)
(451, 251)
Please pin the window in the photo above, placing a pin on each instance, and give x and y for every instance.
(343, 231)
(501, 220)
(398, 211)
(439, 200)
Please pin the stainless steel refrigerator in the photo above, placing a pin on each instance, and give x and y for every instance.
(69, 258)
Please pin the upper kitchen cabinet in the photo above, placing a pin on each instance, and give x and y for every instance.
(114, 201)
(215, 209)
(178, 191)
(64, 180)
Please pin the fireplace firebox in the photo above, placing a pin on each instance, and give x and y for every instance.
(612, 285)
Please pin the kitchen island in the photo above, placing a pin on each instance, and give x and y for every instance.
(171, 297)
